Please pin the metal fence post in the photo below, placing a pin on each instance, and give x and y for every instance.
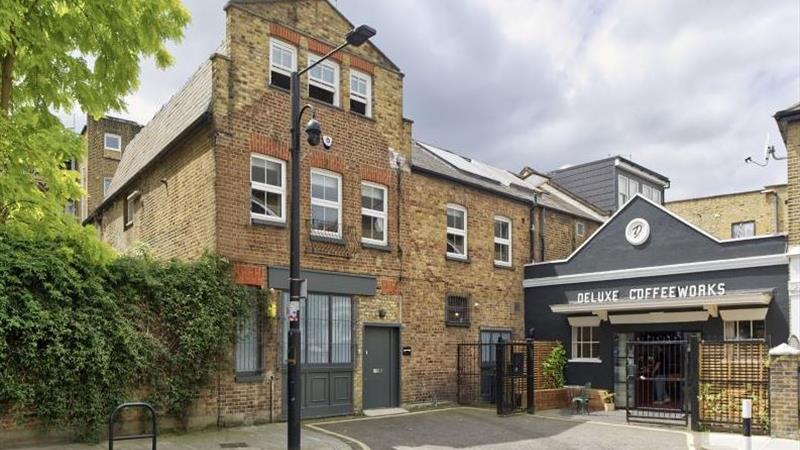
(458, 374)
(531, 382)
(693, 388)
(500, 369)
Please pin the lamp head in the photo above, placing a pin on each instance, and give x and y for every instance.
(314, 132)
(359, 35)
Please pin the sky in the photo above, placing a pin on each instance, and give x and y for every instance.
(685, 88)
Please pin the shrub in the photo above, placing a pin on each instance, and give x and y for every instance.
(79, 334)
(553, 367)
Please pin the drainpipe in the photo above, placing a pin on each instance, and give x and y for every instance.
(532, 234)
(776, 210)
(542, 232)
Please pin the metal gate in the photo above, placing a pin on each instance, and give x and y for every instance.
(729, 371)
(657, 376)
(499, 373)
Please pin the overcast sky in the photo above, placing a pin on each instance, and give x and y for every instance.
(685, 88)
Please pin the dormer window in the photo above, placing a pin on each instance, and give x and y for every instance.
(360, 93)
(282, 62)
(323, 81)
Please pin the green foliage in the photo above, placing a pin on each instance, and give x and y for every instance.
(79, 334)
(553, 367)
(59, 55)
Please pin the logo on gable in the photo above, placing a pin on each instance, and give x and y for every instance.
(637, 232)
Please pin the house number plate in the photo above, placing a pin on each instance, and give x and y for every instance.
(377, 370)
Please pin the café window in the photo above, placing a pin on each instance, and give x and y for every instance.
(585, 343)
(744, 329)
(743, 229)
(457, 311)
(282, 62)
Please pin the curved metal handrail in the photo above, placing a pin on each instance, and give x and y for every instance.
(154, 427)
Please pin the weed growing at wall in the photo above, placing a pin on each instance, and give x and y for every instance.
(79, 334)
(553, 367)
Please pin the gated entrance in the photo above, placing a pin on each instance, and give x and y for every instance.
(656, 379)
(499, 373)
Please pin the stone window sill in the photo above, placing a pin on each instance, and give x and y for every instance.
(249, 378)
(382, 248)
(266, 223)
(327, 240)
(503, 267)
(457, 259)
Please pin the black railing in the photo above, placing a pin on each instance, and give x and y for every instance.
(657, 380)
(153, 425)
(500, 373)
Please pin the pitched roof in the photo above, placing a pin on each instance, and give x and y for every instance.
(559, 198)
(185, 108)
(790, 111)
(444, 163)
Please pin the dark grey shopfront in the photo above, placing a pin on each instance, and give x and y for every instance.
(676, 284)
(327, 321)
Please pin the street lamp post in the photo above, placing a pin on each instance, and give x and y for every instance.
(297, 288)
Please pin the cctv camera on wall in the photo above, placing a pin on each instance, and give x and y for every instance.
(327, 142)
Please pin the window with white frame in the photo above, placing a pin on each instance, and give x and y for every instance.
(647, 191)
(580, 228)
(743, 229)
(456, 231)
(745, 329)
(130, 208)
(326, 203)
(373, 213)
(282, 62)
(360, 93)
(323, 81)
(585, 343)
(106, 185)
(112, 142)
(657, 195)
(622, 190)
(502, 241)
(633, 188)
(267, 189)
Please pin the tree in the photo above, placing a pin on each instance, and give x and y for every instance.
(58, 55)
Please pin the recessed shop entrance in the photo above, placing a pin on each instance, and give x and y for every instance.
(651, 375)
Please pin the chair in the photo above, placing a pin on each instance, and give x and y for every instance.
(581, 401)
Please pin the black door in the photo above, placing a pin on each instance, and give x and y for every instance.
(381, 367)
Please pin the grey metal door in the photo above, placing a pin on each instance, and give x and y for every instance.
(381, 367)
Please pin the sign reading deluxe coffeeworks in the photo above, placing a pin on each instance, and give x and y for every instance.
(652, 293)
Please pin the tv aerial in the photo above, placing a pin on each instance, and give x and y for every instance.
(769, 153)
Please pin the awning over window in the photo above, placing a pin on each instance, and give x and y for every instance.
(730, 306)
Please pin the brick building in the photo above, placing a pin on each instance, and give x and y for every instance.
(379, 209)
(738, 214)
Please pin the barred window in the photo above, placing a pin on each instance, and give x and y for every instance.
(457, 311)
(249, 337)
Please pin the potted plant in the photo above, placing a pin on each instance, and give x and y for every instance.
(608, 401)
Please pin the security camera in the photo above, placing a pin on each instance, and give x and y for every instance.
(314, 131)
(327, 142)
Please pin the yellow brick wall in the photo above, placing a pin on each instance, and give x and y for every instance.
(176, 218)
(716, 214)
(792, 140)
(560, 235)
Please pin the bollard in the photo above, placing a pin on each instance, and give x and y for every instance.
(747, 416)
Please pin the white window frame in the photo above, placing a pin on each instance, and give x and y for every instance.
(105, 142)
(502, 241)
(657, 195)
(359, 97)
(731, 330)
(322, 84)
(647, 191)
(457, 231)
(377, 214)
(106, 185)
(326, 203)
(594, 339)
(622, 190)
(273, 43)
(743, 222)
(269, 188)
(130, 205)
(633, 185)
(580, 228)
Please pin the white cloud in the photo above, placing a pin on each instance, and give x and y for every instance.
(686, 88)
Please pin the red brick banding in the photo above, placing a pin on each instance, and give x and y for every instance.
(248, 274)
(376, 175)
(265, 145)
(283, 33)
(315, 46)
(322, 160)
(362, 65)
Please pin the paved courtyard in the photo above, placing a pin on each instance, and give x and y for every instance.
(482, 429)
